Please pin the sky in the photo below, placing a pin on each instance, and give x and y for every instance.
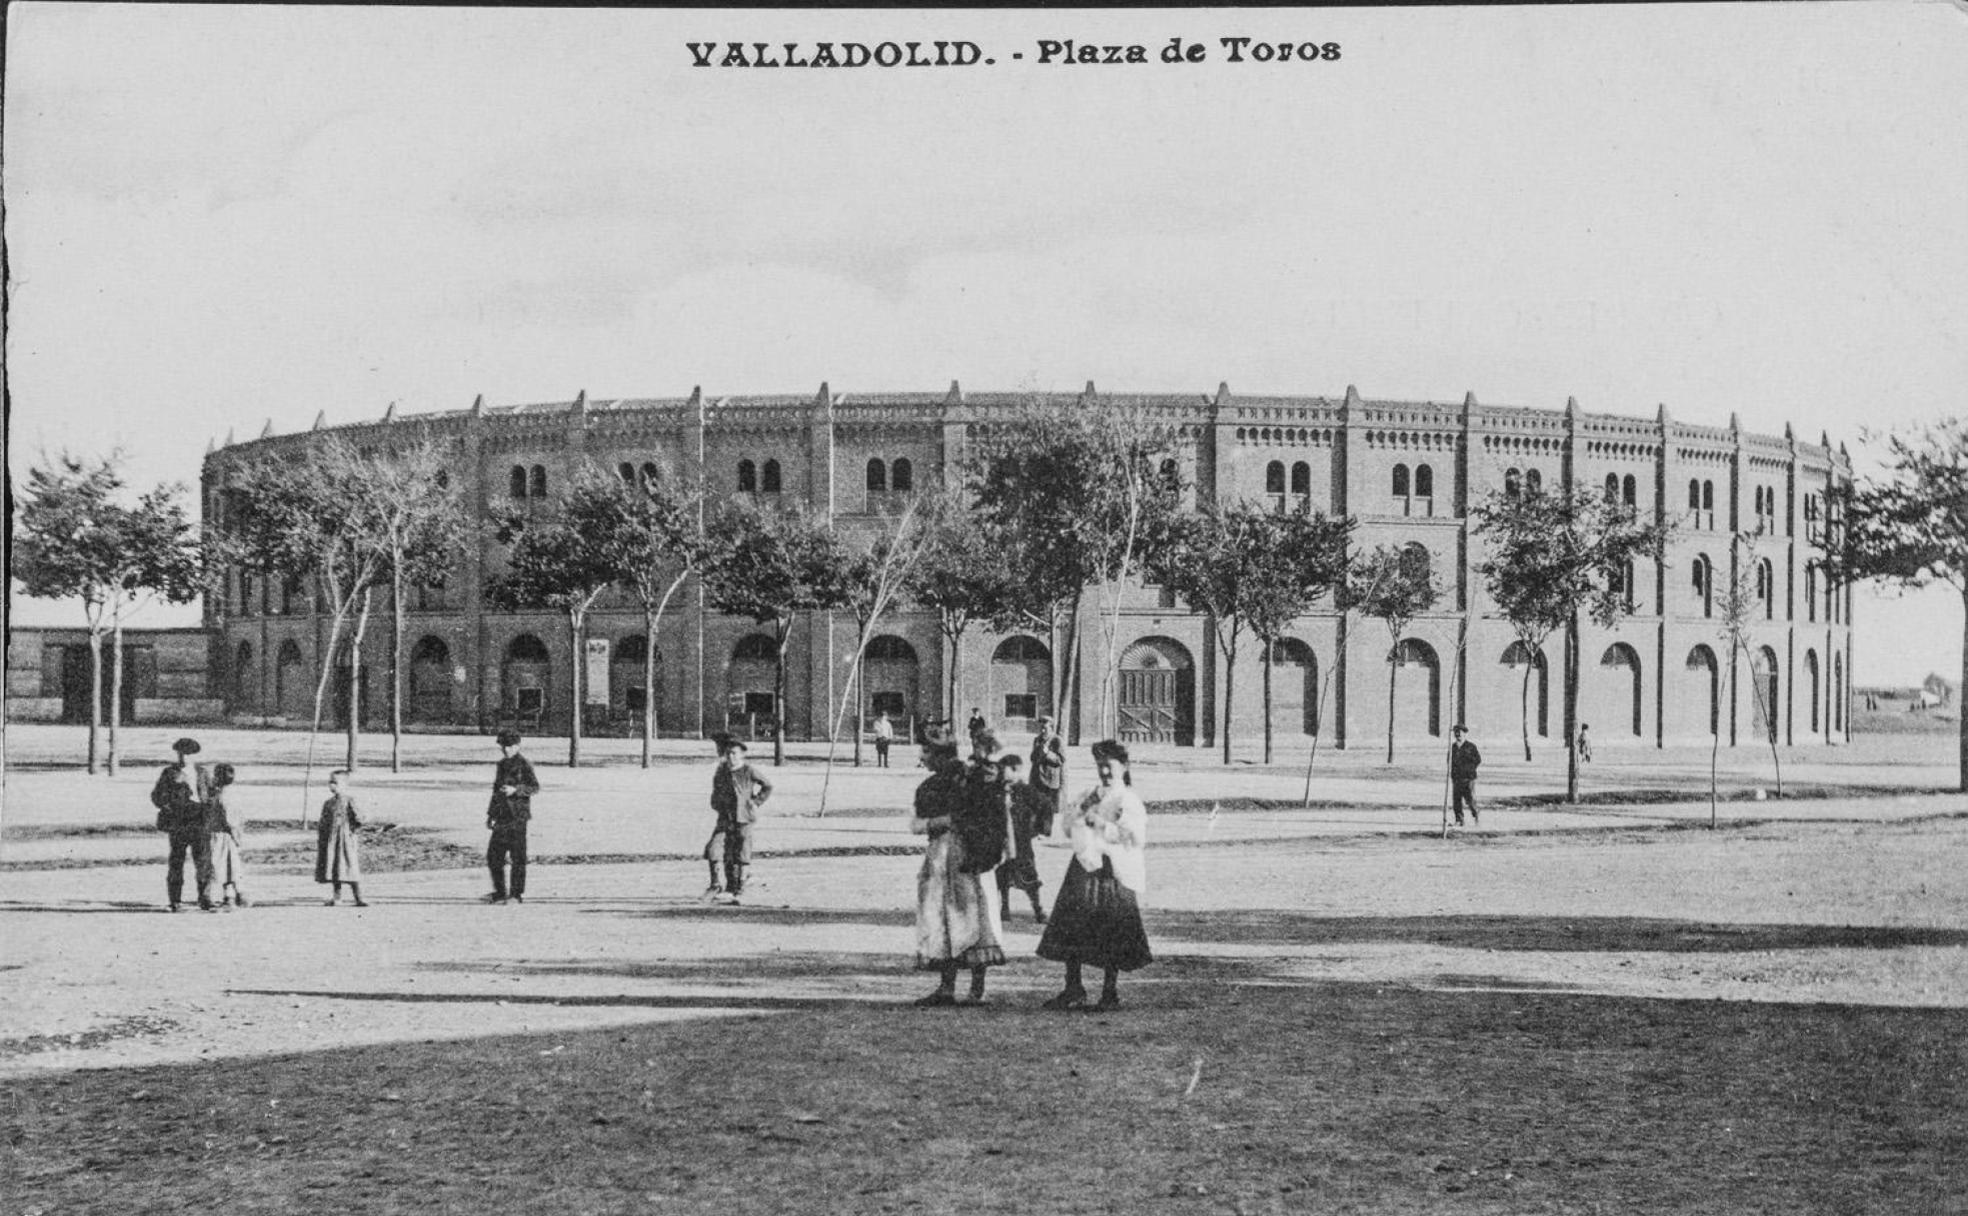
(218, 218)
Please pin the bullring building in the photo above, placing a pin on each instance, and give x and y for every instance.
(1409, 472)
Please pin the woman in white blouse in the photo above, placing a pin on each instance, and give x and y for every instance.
(1097, 917)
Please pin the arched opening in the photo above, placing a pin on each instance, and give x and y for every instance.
(1021, 681)
(1424, 481)
(769, 478)
(890, 680)
(877, 479)
(1811, 674)
(902, 476)
(525, 677)
(293, 692)
(1294, 687)
(748, 478)
(749, 682)
(1533, 482)
(1513, 483)
(628, 690)
(650, 474)
(1767, 712)
(1401, 481)
(536, 482)
(1621, 664)
(1417, 689)
(1531, 678)
(1612, 487)
(1274, 477)
(1701, 661)
(1157, 697)
(516, 481)
(1811, 592)
(1704, 581)
(1629, 491)
(1301, 479)
(1766, 588)
(431, 680)
(626, 472)
(245, 685)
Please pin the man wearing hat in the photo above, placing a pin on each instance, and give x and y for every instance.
(1048, 761)
(737, 791)
(176, 797)
(513, 787)
(1464, 760)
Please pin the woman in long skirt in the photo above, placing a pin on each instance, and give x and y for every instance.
(228, 867)
(1097, 917)
(957, 923)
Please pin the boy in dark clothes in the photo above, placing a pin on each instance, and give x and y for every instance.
(513, 787)
(737, 791)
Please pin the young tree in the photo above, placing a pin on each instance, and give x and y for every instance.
(963, 577)
(648, 531)
(771, 566)
(558, 565)
(1394, 584)
(1304, 560)
(419, 528)
(1909, 526)
(74, 540)
(1740, 602)
(1075, 493)
(1551, 556)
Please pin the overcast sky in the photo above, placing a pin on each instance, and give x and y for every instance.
(220, 216)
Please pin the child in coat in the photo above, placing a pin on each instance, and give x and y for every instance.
(337, 857)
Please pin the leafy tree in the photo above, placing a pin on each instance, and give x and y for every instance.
(1394, 584)
(1908, 526)
(771, 566)
(1303, 561)
(1073, 493)
(557, 564)
(74, 539)
(419, 529)
(1553, 555)
(963, 577)
(649, 532)
(1738, 608)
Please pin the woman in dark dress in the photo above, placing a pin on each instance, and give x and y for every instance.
(1097, 917)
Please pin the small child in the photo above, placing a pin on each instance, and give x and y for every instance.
(228, 866)
(737, 791)
(337, 859)
(1585, 743)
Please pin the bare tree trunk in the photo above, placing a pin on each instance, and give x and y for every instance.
(1266, 645)
(355, 681)
(648, 680)
(1714, 755)
(779, 698)
(1069, 706)
(580, 671)
(1961, 711)
(1571, 709)
(1229, 691)
(95, 694)
(115, 685)
(1524, 706)
(860, 709)
(325, 663)
(1393, 667)
(396, 670)
(1318, 724)
(955, 638)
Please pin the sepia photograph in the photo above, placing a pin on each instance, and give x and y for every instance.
(979, 610)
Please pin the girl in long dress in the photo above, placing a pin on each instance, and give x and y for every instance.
(957, 923)
(1097, 917)
(228, 867)
(337, 857)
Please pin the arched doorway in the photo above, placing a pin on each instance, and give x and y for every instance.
(1417, 689)
(889, 675)
(1622, 699)
(1708, 676)
(1157, 696)
(1294, 686)
(1811, 674)
(748, 682)
(293, 698)
(628, 691)
(1530, 677)
(1021, 681)
(524, 679)
(1764, 711)
(430, 681)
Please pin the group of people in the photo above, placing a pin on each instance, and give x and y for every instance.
(191, 808)
(981, 818)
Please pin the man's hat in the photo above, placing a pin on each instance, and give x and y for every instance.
(508, 738)
(1044, 720)
(186, 746)
(1459, 729)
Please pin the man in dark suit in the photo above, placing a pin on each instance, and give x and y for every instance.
(1048, 776)
(181, 813)
(737, 791)
(513, 787)
(1464, 760)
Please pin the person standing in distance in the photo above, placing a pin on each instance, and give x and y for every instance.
(1464, 760)
(737, 791)
(179, 812)
(513, 787)
(1048, 761)
(884, 737)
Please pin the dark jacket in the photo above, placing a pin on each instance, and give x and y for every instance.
(737, 793)
(982, 820)
(512, 808)
(1048, 762)
(1464, 760)
(177, 804)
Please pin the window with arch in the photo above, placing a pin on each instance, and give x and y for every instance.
(1708, 498)
(769, 478)
(1811, 592)
(902, 476)
(1401, 489)
(1630, 491)
(626, 472)
(1301, 478)
(650, 474)
(1533, 482)
(1694, 494)
(536, 482)
(1766, 588)
(1704, 580)
(516, 481)
(748, 478)
(1274, 477)
(1612, 487)
(877, 477)
(1513, 484)
(1424, 481)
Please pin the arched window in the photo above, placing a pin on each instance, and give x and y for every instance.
(748, 478)
(516, 482)
(1629, 491)
(877, 477)
(626, 472)
(1704, 577)
(1513, 484)
(536, 483)
(1301, 478)
(902, 476)
(1694, 494)
(1708, 496)
(1612, 487)
(769, 478)
(1424, 481)
(1274, 477)
(1533, 482)
(650, 474)
(1810, 593)
(1766, 588)
(1400, 481)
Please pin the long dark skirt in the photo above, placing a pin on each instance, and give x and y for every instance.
(1095, 921)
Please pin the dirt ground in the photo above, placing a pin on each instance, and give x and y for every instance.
(1603, 1009)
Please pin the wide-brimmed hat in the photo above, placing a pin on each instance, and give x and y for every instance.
(508, 738)
(186, 746)
(1110, 749)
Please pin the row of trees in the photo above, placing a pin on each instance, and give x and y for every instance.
(1048, 507)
